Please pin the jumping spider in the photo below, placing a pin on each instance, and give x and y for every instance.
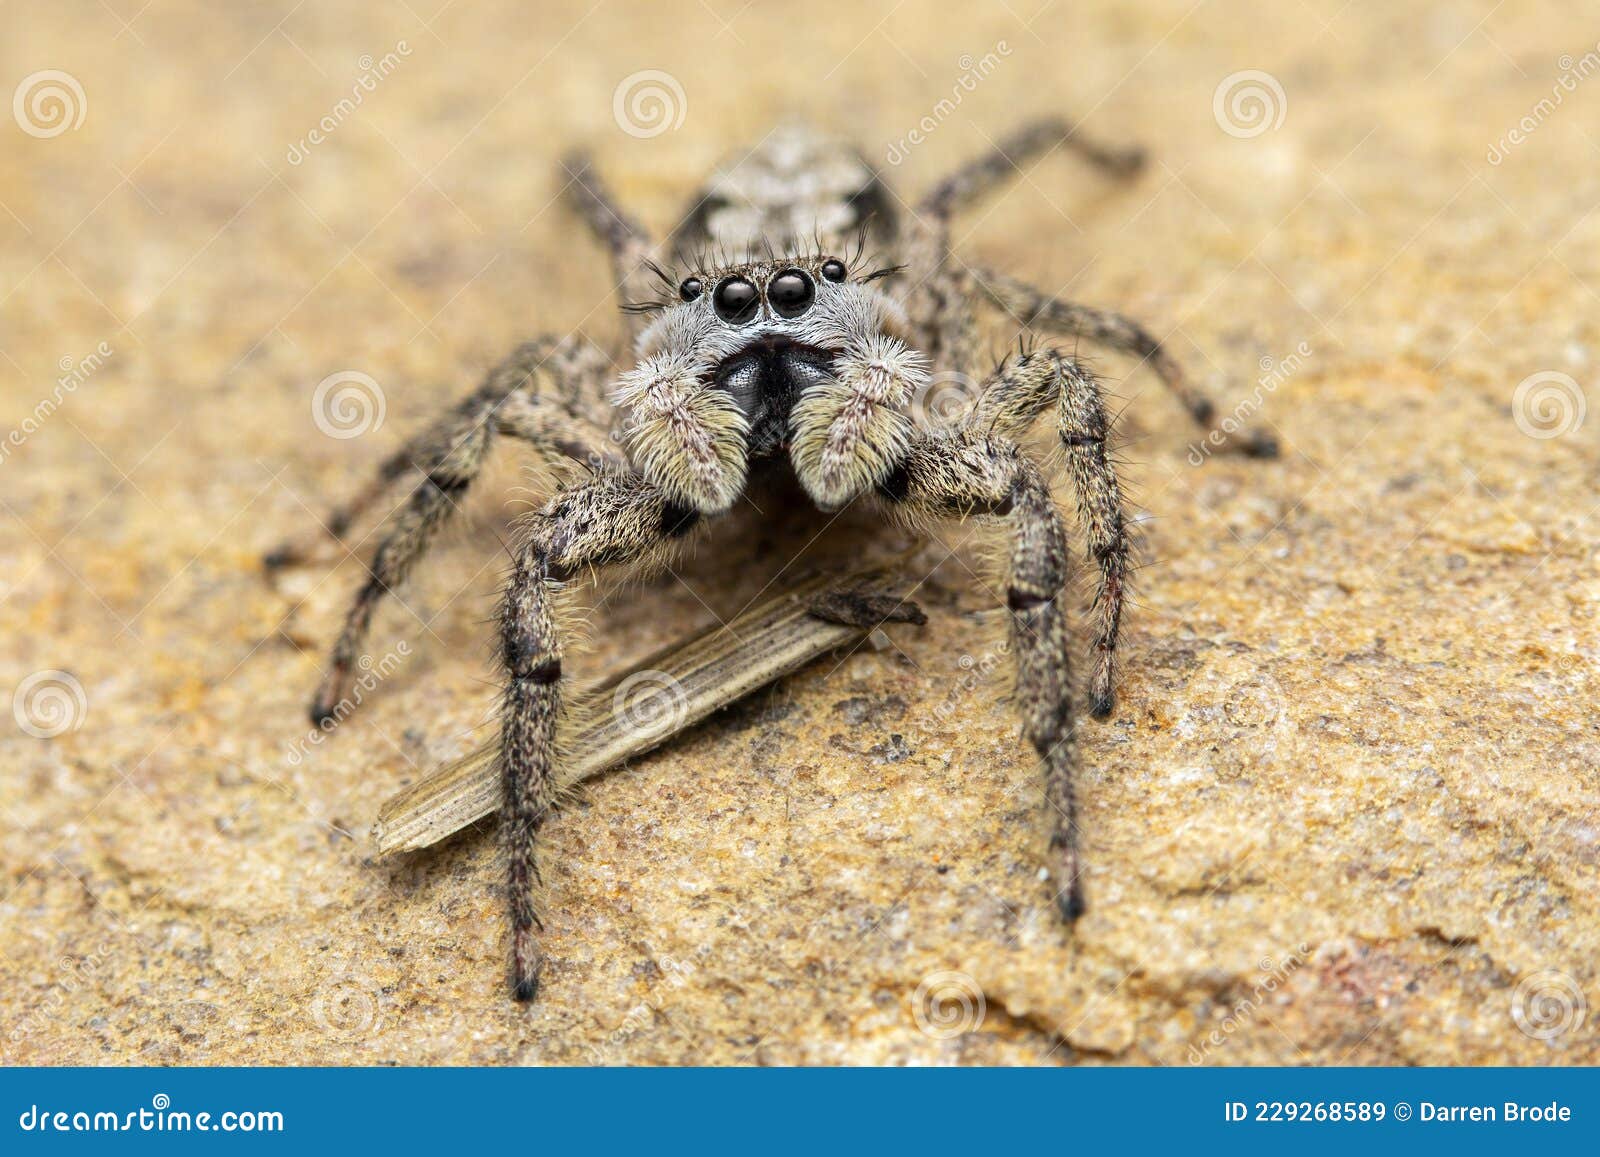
(800, 351)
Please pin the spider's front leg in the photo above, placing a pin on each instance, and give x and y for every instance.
(964, 474)
(617, 518)
(1038, 310)
(1012, 398)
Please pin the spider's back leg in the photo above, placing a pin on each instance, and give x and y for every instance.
(625, 239)
(984, 174)
(448, 457)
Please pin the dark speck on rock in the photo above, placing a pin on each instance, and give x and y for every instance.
(863, 709)
(892, 752)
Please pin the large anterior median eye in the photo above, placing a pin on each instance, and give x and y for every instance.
(790, 293)
(736, 300)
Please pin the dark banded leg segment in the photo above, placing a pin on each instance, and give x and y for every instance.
(1022, 389)
(614, 519)
(1037, 310)
(965, 474)
(984, 174)
(516, 399)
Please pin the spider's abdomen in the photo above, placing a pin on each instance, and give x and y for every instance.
(797, 186)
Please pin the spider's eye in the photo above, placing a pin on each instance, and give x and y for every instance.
(690, 288)
(833, 269)
(791, 293)
(736, 300)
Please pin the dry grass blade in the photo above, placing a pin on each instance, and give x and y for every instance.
(710, 671)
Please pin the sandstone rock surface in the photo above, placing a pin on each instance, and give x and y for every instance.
(1346, 812)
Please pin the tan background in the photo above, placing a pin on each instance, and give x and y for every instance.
(1348, 805)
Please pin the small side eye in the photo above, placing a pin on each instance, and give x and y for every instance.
(736, 300)
(690, 288)
(833, 269)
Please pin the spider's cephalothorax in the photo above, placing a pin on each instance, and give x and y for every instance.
(774, 339)
(788, 356)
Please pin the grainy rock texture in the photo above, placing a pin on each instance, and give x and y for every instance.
(1345, 813)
